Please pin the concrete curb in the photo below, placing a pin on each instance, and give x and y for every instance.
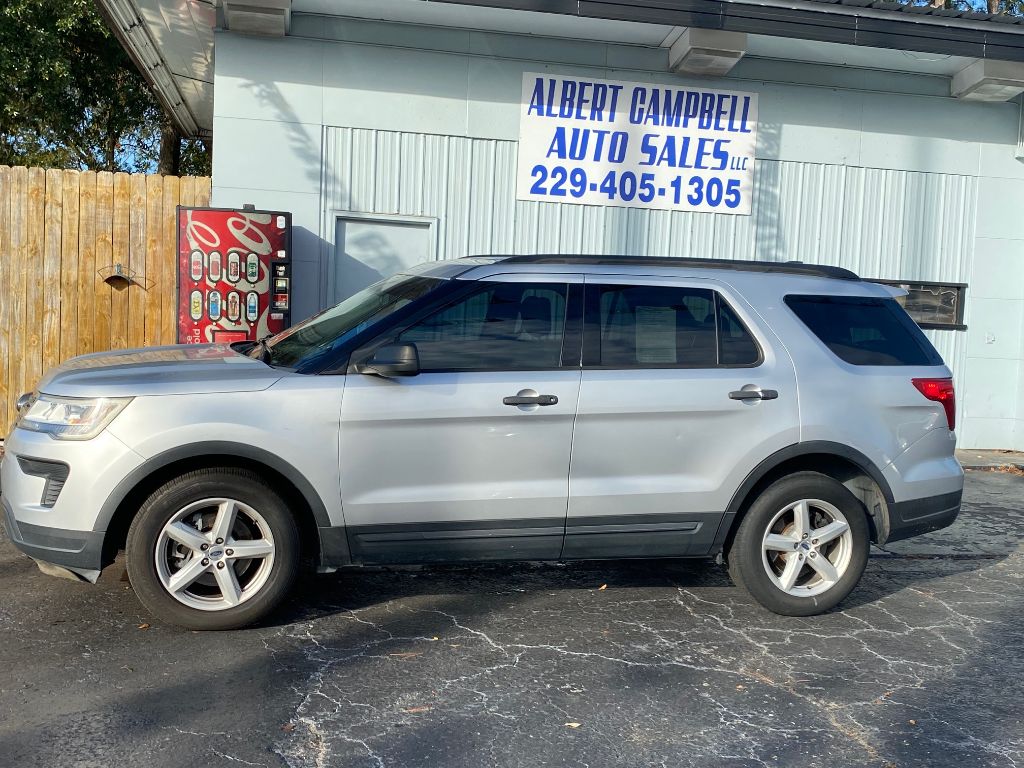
(1011, 467)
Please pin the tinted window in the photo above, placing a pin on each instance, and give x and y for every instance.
(865, 330)
(313, 340)
(650, 326)
(505, 326)
(735, 344)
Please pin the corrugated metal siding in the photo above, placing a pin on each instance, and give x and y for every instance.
(879, 223)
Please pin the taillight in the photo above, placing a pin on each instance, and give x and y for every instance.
(941, 391)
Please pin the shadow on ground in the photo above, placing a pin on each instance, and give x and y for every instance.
(496, 665)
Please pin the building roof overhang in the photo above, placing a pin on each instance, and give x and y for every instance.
(172, 41)
(171, 44)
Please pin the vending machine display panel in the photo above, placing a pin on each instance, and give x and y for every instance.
(234, 274)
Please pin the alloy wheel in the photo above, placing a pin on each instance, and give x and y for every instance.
(214, 554)
(807, 547)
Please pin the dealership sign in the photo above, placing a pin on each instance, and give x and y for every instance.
(607, 142)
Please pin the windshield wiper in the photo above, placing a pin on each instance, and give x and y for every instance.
(264, 349)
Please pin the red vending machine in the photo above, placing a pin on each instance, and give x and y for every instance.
(234, 274)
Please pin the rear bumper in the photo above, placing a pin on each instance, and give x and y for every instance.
(78, 551)
(917, 516)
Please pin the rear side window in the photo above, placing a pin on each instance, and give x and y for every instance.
(735, 344)
(865, 330)
(656, 326)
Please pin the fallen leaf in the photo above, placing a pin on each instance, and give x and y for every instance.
(573, 725)
(912, 722)
(740, 687)
(143, 626)
(288, 727)
(414, 710)
(602, 588)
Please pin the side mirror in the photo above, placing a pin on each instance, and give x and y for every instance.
(392, 360)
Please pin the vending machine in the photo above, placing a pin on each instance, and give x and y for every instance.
(234, 274)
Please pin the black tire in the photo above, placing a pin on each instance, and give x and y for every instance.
(747, 562)
(242, 485)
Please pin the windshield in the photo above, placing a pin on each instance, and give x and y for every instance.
(318, 337)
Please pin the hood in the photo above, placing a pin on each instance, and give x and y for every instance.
(178, 370)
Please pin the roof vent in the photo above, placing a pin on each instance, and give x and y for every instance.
(258, 17)
(707, 52)
(989, 80)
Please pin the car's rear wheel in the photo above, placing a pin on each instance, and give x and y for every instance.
(213, 549)
(802, 546)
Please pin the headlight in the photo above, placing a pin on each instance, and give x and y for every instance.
(70, 418)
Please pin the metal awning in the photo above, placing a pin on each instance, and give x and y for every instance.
(171, 41)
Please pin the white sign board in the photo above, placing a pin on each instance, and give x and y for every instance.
(607, 142)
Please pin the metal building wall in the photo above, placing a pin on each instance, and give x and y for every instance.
(880, 223)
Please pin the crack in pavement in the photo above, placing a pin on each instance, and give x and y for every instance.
(532, 665)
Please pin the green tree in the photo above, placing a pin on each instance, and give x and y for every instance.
(1010, 7)
(71, 98)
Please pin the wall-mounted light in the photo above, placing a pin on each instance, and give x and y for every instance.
(258, 17)
(707, 52)
(988, 80)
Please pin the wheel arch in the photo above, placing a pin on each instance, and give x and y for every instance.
(123, 503)
(849, 466)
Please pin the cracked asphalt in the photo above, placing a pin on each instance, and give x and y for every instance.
(534, 665)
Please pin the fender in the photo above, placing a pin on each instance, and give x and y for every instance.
(813, 447)
(212, 448)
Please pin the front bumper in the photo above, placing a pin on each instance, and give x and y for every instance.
(55, 518)
(80, 552)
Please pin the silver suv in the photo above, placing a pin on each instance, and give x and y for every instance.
(780, 416)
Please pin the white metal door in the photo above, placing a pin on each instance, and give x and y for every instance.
(370, 248)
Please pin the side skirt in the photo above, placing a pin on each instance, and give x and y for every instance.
(457, 542)
(625, 536)
(622, 536)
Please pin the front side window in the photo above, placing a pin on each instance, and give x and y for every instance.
(317, 338)
(664, 326)
(865, 330)
(503, 326)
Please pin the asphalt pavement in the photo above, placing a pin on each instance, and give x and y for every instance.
(653, 663)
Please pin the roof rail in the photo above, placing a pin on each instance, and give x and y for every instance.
(738, 265)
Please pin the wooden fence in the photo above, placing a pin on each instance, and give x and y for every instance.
(58, 229)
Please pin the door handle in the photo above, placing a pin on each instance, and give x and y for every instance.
(530, 397)
(753, 392)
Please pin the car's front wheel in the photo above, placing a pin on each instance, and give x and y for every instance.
(802, 546)
(213, 549)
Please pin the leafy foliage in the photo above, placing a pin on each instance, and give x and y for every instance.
(71, 96)
(1010, 7)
